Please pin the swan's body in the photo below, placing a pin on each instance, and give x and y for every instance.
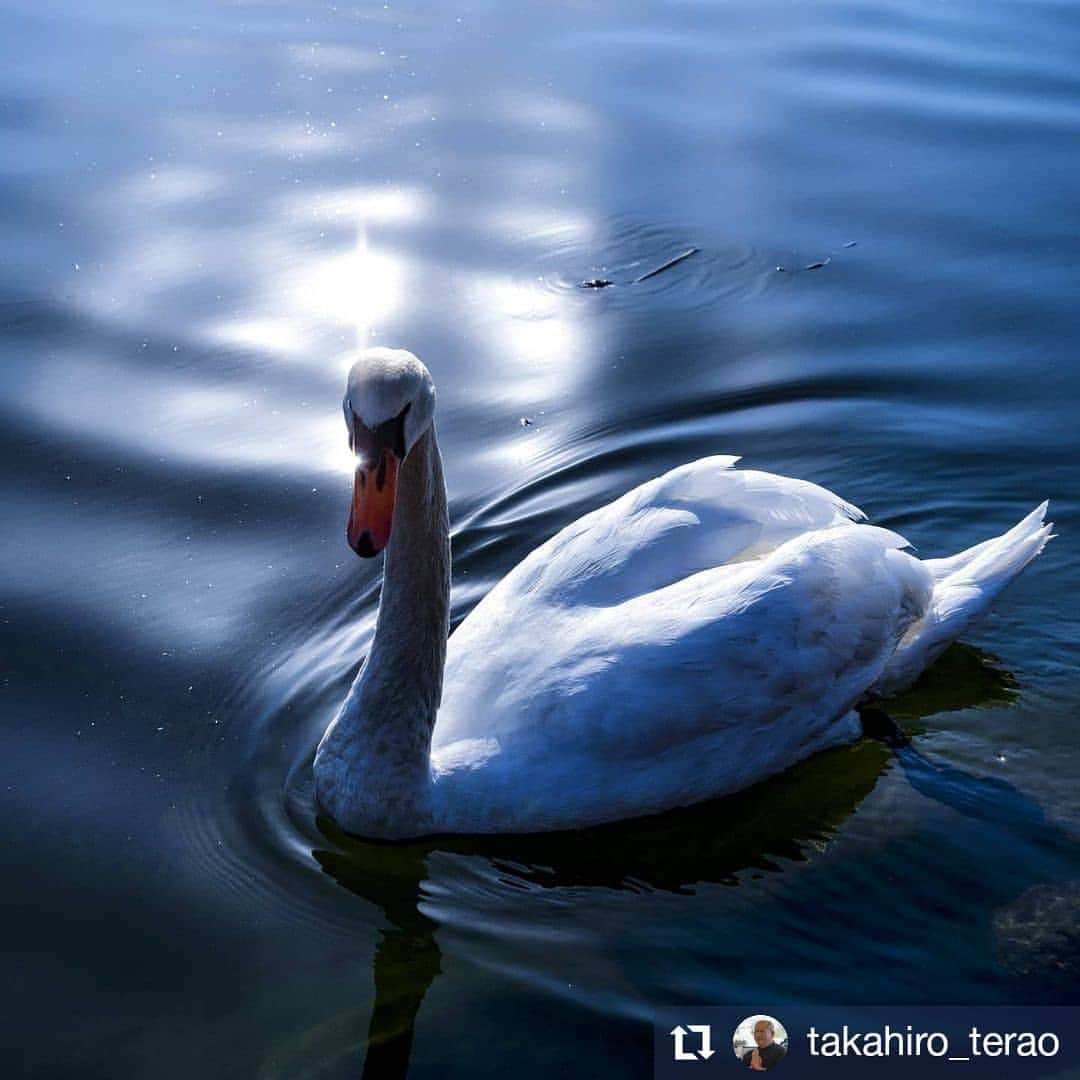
(701, 633)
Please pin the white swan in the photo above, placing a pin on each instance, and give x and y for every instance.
(703, 632)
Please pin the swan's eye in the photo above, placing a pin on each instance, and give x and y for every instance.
(350, 418)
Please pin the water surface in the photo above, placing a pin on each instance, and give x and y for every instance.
(204, 209)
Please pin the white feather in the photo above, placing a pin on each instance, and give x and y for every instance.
(703, 632)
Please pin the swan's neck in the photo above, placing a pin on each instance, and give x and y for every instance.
(373, 769)
(409, 649)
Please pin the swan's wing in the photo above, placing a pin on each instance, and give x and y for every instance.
(700, 688)
(697, 516)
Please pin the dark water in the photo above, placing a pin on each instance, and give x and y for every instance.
(204, 207)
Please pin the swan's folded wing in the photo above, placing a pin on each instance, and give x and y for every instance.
(700, 515)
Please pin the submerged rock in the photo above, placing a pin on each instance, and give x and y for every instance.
(1038, 934)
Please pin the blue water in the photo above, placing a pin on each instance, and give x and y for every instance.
(204, 207)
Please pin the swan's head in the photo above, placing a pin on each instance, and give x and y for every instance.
(389, 404)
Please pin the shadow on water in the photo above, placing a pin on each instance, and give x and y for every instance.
(966, 678)
(962, 678)
(720, 842)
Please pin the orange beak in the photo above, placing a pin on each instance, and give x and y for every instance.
(372, 514)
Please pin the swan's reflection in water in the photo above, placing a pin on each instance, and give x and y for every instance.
(756, 831)
(407, 956)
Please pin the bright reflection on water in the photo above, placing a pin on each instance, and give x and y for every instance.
(206, 210)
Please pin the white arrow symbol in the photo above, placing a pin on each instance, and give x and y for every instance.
(681, 1054)
(705, 1032)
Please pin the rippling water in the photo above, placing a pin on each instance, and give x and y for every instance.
(204, 208)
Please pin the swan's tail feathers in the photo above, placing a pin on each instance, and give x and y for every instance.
(1003, 557)
(965, 585)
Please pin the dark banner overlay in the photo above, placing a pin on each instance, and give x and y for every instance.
(869, 1042)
